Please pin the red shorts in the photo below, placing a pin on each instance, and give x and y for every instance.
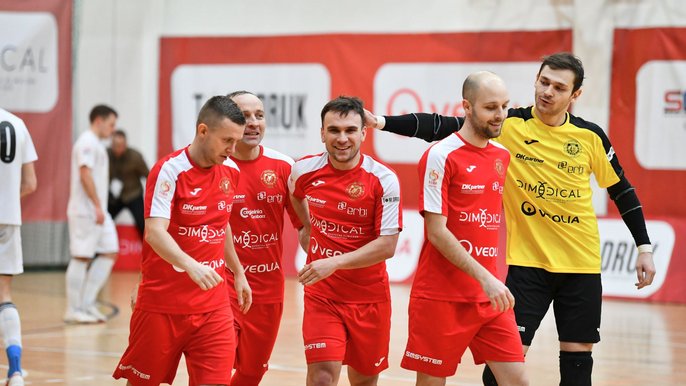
(356, 334)
(156, 342)
(440, 332)
(256, 334)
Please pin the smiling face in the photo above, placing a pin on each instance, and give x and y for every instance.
(343, 135)
(489, 108)
(255, 124)
(553, 93)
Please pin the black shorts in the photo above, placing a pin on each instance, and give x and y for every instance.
(576, 298)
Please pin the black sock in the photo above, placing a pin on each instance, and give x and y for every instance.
(488, 378)
(575, 368)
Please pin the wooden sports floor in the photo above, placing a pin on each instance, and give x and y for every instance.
(643, 344)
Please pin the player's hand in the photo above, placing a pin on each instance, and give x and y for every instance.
(316, 271)
(99, 216)
(243, 292)
(500, 296)
(370, 120)
(304, 237)
(205, 277)
(134, 296)
(645, 270)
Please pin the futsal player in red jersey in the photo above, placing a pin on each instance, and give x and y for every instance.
(257, 221)
(183, 306)
(457, 301)
(355, 218)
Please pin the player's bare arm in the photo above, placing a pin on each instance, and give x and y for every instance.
(86, 177)
(440, 237)
(166, 247)
(303, 213)
(29, 183)
(375, 251)
(240, 283)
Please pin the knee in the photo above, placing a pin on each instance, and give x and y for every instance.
(321, 378)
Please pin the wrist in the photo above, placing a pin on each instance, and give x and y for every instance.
(380, 122)
(645, 248)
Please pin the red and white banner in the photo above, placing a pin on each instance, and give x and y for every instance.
(35, 84)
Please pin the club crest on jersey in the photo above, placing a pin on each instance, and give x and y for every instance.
(225, 185)
(499, 167)
(572, 148)
(268, 178)
(355, 190)
(164, 188)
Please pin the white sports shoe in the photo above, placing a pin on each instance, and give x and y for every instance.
(79, 317)
(95, 312)
(15, 380)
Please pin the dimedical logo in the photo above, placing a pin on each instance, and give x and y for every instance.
(401, 88)
(28, 61)
(293, 95)
(660, 105)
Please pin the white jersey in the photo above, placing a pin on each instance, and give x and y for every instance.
(91, 152)
(16, 149)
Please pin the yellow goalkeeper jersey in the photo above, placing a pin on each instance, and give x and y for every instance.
(550, 219)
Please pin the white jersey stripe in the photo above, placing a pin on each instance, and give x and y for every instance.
(390, 201)
(435, 171)
(165, 186)
(305, 166)
(273, 154)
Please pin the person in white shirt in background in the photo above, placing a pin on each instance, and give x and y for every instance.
(93, 239)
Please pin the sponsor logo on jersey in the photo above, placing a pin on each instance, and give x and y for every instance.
(254, 214)
(611, 153)
(268, 178)
(571, 169)
(194, 210)
(262, 268)
(390, 200)
(319, 250)
(315, 201)
(479, 251)
(423, 358)
(355, 190)
(434, 176)
(361, 212)
(497, 187)
(247, 239)
(530, 141)
(164, 188)
(317, 183)
(195, 191)
(270, 198)
(542, 189)
(572, 148)
(239, 198)
(225, 185)
(203, 233)
(490, 221)
(471, 168)
(499, 167)
(473, 189)
(221, 205)
(530, 210)
(336, 230)
(527, 158)
(214, 264)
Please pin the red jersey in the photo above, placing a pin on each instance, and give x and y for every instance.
(464, 183)
(257, 223)
(348, 209)
(197, 201)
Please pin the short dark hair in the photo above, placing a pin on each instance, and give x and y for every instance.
(119, 132)
(217, 108)
(102, 111)
(565, 61)
(344, 105)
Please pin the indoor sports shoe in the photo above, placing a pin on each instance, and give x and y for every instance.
(79, 317)
(95, 312)
(15, 380)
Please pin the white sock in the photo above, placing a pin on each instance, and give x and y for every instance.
(76, 275)
(96, 278)
(10, 325)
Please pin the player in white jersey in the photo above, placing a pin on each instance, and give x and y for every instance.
(17, 155)
(91, 230)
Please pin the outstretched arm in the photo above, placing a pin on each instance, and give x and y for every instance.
(429, 127)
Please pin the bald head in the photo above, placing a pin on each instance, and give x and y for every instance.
(477, 81)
